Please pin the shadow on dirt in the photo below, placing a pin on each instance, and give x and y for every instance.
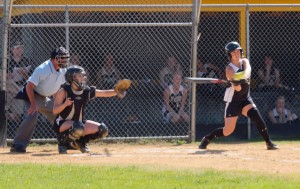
(210, 152)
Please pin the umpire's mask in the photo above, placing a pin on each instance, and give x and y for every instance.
(62, 56)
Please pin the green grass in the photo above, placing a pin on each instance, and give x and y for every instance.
(81, 176)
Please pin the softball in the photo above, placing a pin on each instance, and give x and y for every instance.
(238, 76)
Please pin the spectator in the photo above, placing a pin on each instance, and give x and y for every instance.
(208, 70)
(44, 82)
(280, 114)
(175, 96)
(75, 60)
(167, 72)
(19, 67)
(109, 73)
(269, 75)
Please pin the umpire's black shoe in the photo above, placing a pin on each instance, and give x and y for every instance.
(62, 149)
(80, 146)
(271, 146)
(17, 149)
(204, 143)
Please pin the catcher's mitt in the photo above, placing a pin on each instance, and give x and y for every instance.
(121, 87)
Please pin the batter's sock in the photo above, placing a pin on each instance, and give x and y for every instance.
(259, 123)
(215, 134)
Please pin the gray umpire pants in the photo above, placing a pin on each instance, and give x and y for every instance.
(25, 130)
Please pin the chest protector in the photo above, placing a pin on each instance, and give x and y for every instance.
(75, 111)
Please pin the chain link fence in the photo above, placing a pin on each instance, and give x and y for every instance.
(140, 40)
(111, 42)
(273, 52)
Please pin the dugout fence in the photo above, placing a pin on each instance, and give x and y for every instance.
(140, 39)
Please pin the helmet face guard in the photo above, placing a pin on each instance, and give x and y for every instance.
(80, 85)
(70, 76)
(62, 61)
(62, 56)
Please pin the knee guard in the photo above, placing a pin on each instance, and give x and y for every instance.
(76, 131)
(103, 130)
(101, 133)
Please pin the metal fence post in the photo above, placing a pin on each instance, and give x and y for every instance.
(248, 56)
(195, 19)
(67, 28)
(3, 125)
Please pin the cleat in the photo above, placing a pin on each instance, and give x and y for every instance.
(80, 146)
(271, 146)
(17, 149)
(204, 143)
(62, 149)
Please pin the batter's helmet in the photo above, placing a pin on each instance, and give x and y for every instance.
(232, 46)
(70, 76)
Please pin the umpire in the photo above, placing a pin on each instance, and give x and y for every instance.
(44, 82)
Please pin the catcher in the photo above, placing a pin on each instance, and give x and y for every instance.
(73, 131)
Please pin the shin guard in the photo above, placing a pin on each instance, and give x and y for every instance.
(101, 133)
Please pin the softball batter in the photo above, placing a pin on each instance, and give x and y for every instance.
(237, 98)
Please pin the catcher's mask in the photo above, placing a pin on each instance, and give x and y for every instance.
(232, 46)
(71, 76)
(62, 56)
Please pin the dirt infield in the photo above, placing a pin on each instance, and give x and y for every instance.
(242, 156)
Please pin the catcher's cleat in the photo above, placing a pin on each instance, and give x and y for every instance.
(62, 149)
(80, 146)
(271, 146)
(204, 143)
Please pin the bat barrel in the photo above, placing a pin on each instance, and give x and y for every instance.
(205, 80)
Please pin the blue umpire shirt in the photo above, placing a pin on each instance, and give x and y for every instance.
(46, 79)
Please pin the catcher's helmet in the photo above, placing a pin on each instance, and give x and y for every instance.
(62, 55)
(232, 46)
(71, 74)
